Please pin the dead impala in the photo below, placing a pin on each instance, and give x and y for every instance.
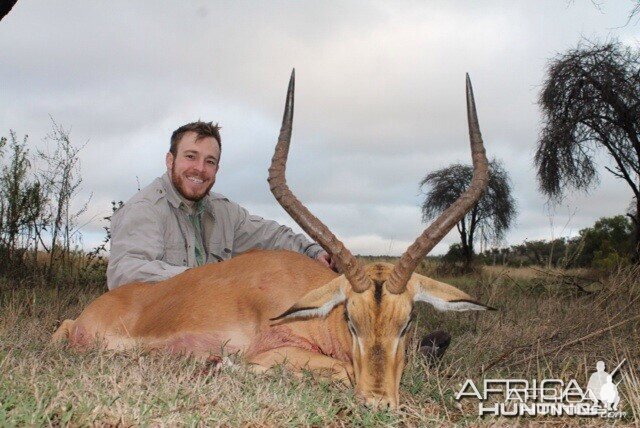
(282, 307)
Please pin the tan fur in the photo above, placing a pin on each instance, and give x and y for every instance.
(232, 301)
(230, 307)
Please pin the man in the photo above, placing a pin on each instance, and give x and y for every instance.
(175, 224)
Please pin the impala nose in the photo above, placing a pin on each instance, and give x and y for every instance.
(378, 402)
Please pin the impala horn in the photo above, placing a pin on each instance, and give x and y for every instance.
(397, 282)
(347, 263)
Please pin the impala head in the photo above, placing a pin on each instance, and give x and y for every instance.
(379, 299)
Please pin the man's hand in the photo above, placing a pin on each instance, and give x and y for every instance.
(326, 259)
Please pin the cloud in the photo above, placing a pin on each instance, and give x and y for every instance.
(379, 99)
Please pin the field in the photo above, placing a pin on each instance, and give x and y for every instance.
(550, 324)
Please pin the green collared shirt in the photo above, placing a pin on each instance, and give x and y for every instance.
(195, 217)
(194, 211)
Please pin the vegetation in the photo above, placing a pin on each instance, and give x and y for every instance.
(543, 328)
(591, 100)
(491, 217)
(605, 245)
(21, 203)
(39, 237)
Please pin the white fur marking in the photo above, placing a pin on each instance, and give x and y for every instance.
(323, 310)
(395, 346)
(443, 305)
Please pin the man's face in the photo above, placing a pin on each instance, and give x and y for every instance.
(193, 169)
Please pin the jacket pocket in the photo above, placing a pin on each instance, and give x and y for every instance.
(219, 252)
(175, 256)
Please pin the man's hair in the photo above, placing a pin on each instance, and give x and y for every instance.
(202, 129)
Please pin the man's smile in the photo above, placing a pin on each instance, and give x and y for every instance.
(195, 180)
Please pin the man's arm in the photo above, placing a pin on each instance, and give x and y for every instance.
(137, 247)
(255, 232)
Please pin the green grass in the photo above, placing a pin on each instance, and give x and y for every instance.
(46, 385)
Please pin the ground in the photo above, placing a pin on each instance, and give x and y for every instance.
(549, 324)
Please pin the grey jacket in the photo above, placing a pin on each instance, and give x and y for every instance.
(152, 238)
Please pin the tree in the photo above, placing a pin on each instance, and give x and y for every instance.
(610, 238)
(591, 101)
(491, 216)
(635, 10)
(605, 245)
(21, 203)
(62, 180)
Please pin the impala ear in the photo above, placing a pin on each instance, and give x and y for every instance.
(443, 297)
(319, 302)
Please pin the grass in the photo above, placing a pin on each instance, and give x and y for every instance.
(533, 335)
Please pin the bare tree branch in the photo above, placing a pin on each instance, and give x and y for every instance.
(590, 101)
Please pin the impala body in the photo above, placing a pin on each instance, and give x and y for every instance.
(281, 307)
(203, 310)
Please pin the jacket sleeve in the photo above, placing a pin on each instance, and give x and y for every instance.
(253, 231)
(137, 247)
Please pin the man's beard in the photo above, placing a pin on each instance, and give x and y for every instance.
(178, 182)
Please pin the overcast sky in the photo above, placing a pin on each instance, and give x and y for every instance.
(379, 99)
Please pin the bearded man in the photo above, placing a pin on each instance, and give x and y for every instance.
(175, 223)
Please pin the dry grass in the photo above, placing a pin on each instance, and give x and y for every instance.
(532, 336)
(535, 272)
